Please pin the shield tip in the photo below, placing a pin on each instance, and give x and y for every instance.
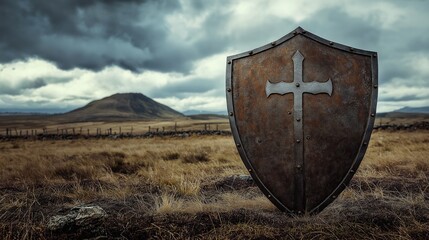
(299, 29)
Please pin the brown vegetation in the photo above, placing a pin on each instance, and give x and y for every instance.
(59, 125)
(195, 187)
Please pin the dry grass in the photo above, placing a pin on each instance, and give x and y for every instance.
(182, 188)
(52, 125)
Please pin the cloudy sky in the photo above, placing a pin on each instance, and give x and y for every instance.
(58, 55)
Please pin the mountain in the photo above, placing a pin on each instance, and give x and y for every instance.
(122, 106)
(407, 112)
(413, 110)
(199, 112)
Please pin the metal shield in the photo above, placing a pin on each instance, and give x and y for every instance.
(301, 112)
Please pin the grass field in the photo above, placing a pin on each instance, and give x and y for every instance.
(27, 125)
(195, 187)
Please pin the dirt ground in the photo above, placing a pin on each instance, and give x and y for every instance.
(196, 188)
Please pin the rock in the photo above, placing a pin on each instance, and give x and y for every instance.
(184, 135)
(77, 217)
(247, 178)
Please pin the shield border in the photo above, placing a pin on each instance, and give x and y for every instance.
(369, 126)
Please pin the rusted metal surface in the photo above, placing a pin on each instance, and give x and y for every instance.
(301, 116)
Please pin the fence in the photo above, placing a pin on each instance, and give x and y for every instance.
(120, 130)
(201, 128)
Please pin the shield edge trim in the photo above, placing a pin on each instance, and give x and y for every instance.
(365, 139)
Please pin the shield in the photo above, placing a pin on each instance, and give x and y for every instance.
(301, 111)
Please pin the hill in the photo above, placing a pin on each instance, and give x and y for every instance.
(414, 110)
(407, 112)
(201, 112)
(122, 106)
(207, 116)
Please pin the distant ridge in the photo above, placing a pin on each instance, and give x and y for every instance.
(413, 110)
(122, 106)
(407, 112)
(199, 112)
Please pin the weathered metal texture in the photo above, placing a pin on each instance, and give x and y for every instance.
(301, 113)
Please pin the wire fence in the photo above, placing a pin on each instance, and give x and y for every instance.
(115, 131)
(150, 131)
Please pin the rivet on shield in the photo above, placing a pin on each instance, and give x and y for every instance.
(298, 141)
(333, 196)
(249, 169)
(295, 33)
(375, 86)
(365, 143)
(229, 62)
(331, 43)
(251, 52)
(259, 140)
(298, 119)
(269, 196)
(352, 49)
(228, 89)
(308, 137)
(238, 145)
(289, 113)
(372, 115)
(297, 84)
(352, 171)
(273, 43)
(298, 167)
(231, 114)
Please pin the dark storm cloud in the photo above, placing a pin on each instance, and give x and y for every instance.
(75, 97)
(170, 37)
(19, 88)
(10, 88)
(410, 97)
(95, 34)
(335, 24)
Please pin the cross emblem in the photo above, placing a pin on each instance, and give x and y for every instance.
(298, 88)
